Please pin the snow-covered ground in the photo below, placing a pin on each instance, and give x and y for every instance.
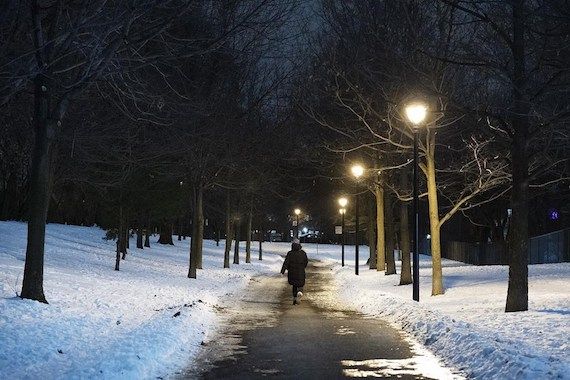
(108, 324)
(467, 327)
(103, 323)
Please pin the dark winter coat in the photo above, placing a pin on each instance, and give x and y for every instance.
(295, 263)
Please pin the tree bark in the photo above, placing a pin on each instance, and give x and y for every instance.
(179, 233)
(248, 237)
(380, 233)
(147, 237)
(517, 294)
(260, 243)
(199, 211)
(406, 270)
(118, 256)
(121, 245)
(127, 236)
(197, 231)
(193, 261)
(372, 232)
(147, 232)
(32, 286)
(390, 235)
(122, 233)
(228, 247)
(236, 247)
(437, 277)
(165, 234)
(139, 238)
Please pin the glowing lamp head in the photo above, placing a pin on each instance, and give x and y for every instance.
(342, 211)
(416, 113)
(343, 202)
(297, 211)
(357, 171)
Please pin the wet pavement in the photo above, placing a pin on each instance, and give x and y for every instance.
(266, 336)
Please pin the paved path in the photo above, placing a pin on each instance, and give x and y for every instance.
(266, 336)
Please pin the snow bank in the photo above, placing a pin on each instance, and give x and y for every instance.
(145, 321)
(467, 327)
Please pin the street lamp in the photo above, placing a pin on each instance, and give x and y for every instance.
(342, 202)
(342, 211)
(416, 113)
(357, 171)
(297, 212)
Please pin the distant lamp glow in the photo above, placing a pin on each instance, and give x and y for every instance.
(428, 236)
(342, 211)
(297, 211)
(357, 171)
(416, 113)
(553, 214)
(343, 202)
(305, 229)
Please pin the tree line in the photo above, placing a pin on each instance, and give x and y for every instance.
(495, 79)
(138, 115)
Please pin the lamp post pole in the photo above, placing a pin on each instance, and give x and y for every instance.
(342, 202)
(357, 172)
(356, 233)
(416, 266)
(342, 235)
(416, 113)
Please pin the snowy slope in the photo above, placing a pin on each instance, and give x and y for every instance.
(466, 327)
(103, 323)
(121, 324)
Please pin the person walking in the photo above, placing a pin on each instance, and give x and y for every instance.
(295, 263)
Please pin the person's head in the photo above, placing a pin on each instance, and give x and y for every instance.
(296, 245)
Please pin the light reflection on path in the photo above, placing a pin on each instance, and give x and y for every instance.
(264, 335)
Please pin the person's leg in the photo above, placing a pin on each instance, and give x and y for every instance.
(294, 295)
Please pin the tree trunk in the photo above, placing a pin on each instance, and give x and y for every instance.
(199, 211)
(147, 238)
(197, 232)
(390, 235)
(406, 271)
(121, 245)
(179, 229)
(236, 247)
(260, 243)
(228, 247)
(32, 286)
(372, 231)
(248, 237)
(165, 234)
(127, 235)
(122, 234)
(517, 294)
(192, 267)
(147, 233)
(139, 238)
(437, 277)
(380, 234)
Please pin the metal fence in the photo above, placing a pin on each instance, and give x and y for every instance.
(553, 247)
